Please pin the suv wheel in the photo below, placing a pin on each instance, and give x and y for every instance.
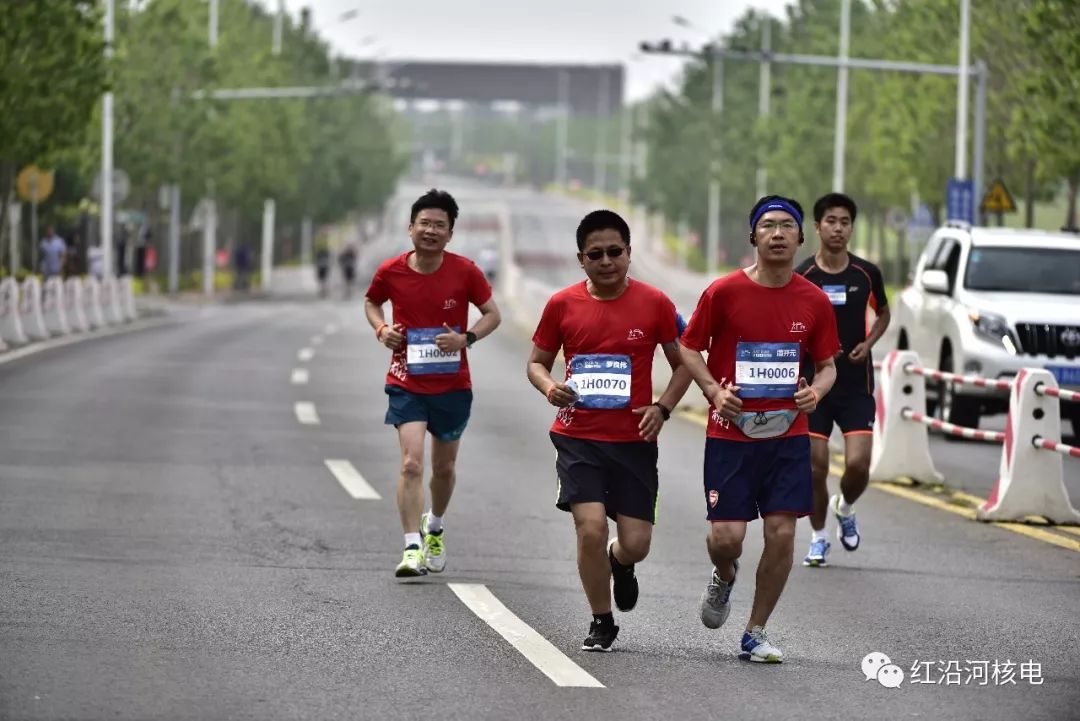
(953, 407)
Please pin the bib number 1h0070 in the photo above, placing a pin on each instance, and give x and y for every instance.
(602, 381)
(767, 370)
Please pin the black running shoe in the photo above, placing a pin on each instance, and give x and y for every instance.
(600, 637)
(624, 582)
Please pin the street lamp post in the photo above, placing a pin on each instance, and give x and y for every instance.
(107, 150)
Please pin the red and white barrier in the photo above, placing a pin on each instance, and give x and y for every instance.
(33, 322)
(52, 307)
(1031, 479)
(73, 305)
(110, 301)
(901, 448)
(976, 381)
(952, 429)
(95, 318)
(11, 330)
(127, 298)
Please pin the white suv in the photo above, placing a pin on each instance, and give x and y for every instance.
(988, 302)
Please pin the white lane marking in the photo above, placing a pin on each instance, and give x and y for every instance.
(351, 480)
(305, 354)
(538, 650)
(305, 413)
(316, 340)
(330, 329)
(299, 376)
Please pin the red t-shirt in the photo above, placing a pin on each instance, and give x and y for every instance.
(608, 346)
(768, 331)
(422, 303)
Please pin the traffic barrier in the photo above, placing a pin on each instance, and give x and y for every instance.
(901, 448)
(110, 301)
(127, 298)
(95, 318)
(73, 305)
(1031, 473)
(33, 322)
(11, 330)
(52, 307)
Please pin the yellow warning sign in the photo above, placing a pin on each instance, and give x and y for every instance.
(33, 184)
(998, 199)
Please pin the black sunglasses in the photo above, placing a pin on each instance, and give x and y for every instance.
(598, 254)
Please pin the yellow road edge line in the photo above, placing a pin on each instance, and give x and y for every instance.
(904, 488)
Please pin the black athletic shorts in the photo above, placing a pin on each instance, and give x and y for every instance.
(622, 476)
(850, 408)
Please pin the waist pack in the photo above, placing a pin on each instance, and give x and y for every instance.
(765, 424)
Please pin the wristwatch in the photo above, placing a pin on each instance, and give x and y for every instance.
(470, 338)
(664, 411)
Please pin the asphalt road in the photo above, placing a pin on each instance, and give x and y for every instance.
(173, 545)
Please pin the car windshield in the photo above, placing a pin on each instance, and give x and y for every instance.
(1028, 270)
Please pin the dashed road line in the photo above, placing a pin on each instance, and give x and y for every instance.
(299, 376)
(535, 648)
(330, 329)
(351, 480)
(305, 354)
(306, 414)
(316, 340)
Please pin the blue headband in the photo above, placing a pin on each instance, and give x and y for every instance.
(776, 205)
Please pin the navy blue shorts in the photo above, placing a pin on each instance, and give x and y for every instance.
(446, 414)
(851, 409)
(745, 479)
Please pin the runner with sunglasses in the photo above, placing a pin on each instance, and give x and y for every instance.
(757, 324)
(605, 432)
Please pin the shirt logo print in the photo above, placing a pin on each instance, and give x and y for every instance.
(635, 334)
(798, 327)
(449, 304)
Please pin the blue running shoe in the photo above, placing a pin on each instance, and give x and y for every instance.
(816, 556)
(756, 647)
(848, 532)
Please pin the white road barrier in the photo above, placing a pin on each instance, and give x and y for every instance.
(1031, 478)
(73, 305)
(33, 322)
(110, 301)
(11, 330)
(901, 447)
(52, 307)
(95, 317)
(127, 298)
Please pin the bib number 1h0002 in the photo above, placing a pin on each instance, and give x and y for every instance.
(424, 357)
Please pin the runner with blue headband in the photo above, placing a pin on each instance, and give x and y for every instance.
(757, 325)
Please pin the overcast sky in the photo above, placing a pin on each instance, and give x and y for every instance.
(544, 31)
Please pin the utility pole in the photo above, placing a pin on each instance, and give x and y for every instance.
(764, 94)
(840, 137)
(107, 151)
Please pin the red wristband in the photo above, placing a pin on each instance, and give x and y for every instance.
(379, 330)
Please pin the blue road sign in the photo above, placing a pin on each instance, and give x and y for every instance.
(960, 200)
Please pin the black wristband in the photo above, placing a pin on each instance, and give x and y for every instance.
(663, 410)
(470, 338)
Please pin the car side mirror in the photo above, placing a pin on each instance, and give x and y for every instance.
(935, 281)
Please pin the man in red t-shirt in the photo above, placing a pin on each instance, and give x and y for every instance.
(429, 290)
(605, 432)
(757, 324)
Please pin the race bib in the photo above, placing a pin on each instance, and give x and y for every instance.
(837, 294)
(767, 370)
(602, 381)
(423, 357)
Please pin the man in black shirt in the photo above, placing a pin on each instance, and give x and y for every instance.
(854, 286)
